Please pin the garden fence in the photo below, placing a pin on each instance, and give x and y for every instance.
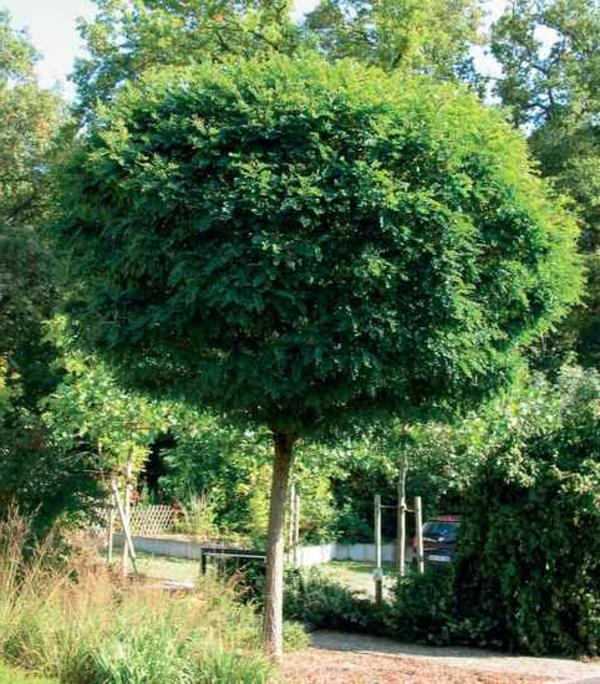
(150, 521)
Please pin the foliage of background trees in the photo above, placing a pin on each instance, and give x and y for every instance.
(550, 83)
(408, 37)
(29, 117)
(126, 39)
(29, 120)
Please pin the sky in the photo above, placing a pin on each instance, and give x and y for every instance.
(51, 25)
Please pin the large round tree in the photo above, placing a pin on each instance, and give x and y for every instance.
(292, 242)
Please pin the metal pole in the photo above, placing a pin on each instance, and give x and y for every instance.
(419, 524)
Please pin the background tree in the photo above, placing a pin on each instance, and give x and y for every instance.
(420, 36)
(28, 120)
(89, 411)
(127, 37)
(549, 53)
(293, 243)
(29, 117)
(209, 459)
(31, 473)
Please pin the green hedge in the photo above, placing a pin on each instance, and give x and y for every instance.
(527, 576)
(530, 540)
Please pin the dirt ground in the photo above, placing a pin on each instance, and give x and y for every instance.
(337, 658)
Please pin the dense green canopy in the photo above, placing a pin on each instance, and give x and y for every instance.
(293, 239)
(29, 117)
(553, 87)
(413, 36)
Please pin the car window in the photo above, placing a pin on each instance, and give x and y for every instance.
(446, 530)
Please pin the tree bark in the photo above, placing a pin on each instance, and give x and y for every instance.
(273, 618)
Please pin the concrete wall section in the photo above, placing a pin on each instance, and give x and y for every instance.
(363, 552)
(307, 555)
(163, 546)
(316, 555)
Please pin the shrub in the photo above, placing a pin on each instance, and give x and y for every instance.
(295, 637)
(424, 607)
(198, 516)
(41, 478)
(529, 568)
(316, 601)
(322, 603)
(527, 575)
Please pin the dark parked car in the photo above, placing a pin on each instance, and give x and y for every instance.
(439, 539)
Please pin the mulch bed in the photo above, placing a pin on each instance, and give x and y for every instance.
(317, 666)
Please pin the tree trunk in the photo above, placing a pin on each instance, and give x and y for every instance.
(273, 619)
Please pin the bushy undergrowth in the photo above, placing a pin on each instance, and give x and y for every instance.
(315, 601)
(527, 576)
(72, 623)
(530, 547)
(423, 608)
(323, 603)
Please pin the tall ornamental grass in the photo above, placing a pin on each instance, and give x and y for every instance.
(69, 620)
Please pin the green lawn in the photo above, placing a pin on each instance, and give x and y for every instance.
(178, 569)
(358, 575)
(164, 567)
(11, 676)
(362, 567)
(355, 574)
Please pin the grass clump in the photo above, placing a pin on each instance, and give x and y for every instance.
(11, 676)
(71, 621)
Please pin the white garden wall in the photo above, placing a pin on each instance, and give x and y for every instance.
(307, 555)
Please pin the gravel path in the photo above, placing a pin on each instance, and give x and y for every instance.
(341, 658)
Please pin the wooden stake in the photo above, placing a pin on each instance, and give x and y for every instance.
(401, 523)
(419, 524)
(296, 531)
(378, 573)
(377, 531)
(378, 579)
(292, 523)
(111, 528)
(125, 523)
(127, 510)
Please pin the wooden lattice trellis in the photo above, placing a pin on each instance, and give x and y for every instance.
(148, 521)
